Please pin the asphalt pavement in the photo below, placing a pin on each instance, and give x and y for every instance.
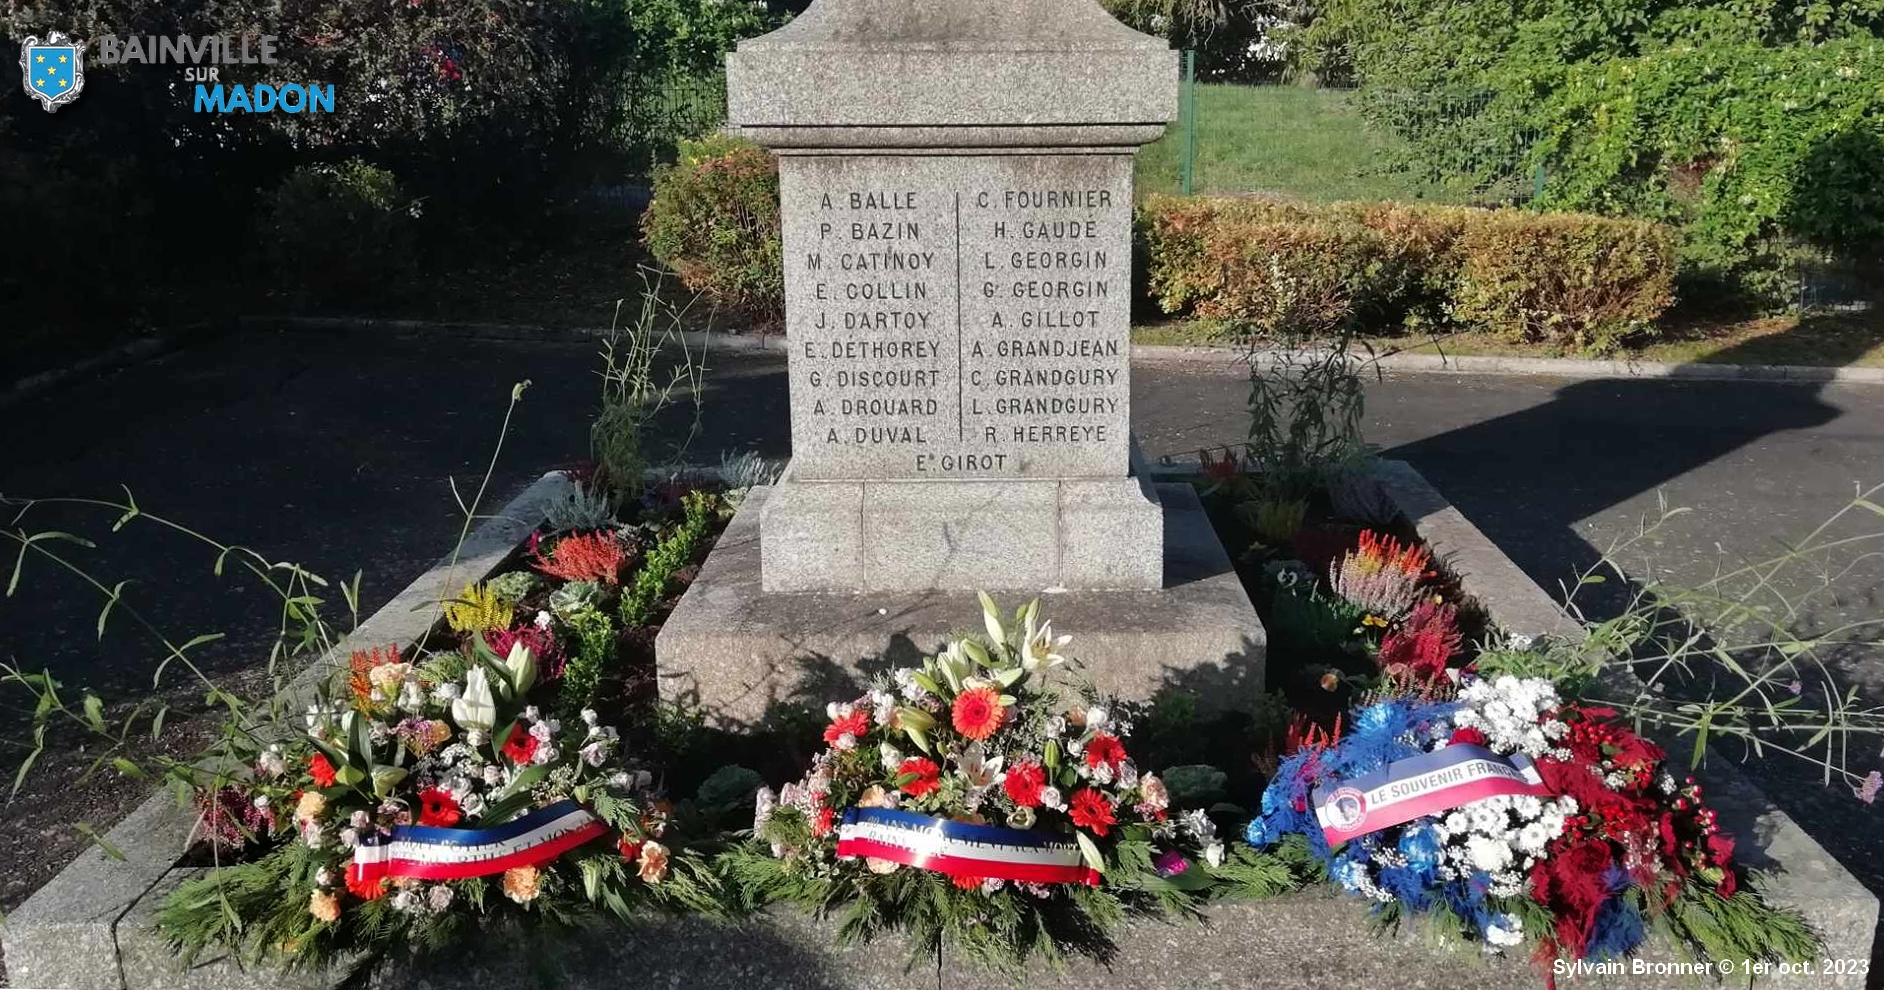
(334, 451)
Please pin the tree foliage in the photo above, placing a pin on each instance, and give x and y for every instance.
(1754, 123)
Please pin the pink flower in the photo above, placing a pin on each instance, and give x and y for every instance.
(1170, 863)
(1873, 782)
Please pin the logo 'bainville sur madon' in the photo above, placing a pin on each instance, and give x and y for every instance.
(54, 73)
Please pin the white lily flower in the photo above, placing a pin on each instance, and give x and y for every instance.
(475, 708)
(522, 668)
(1040, 649)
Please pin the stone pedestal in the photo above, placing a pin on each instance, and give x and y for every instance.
(955, 178)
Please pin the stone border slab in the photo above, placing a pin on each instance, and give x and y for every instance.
(68, 934)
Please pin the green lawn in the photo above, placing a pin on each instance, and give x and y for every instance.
(1280, 140)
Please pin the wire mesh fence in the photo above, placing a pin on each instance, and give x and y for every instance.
(1325, 143)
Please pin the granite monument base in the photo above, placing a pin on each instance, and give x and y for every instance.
(1026, 535)
(736, 650)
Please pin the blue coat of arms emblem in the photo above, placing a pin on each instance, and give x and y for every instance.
(52, 71)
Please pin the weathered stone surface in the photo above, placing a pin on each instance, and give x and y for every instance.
(736, 650)
(955, 180)
(814, 537)
(987, 534)
(1012, 66)
(1111, 536)
(960, 316)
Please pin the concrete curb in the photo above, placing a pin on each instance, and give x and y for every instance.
(68, 934)
(1802, 875)
(1459, 364)
(1471, 364)
(117, 357)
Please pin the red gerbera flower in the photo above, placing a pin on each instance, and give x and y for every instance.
(1024, 782)
(978, 712)
(366, 890)
(321, 770)
(924, 776)
(1106, 750)
(519, 745)
(855, 725)
(438, 808)
(967, 883)
(1091, 810)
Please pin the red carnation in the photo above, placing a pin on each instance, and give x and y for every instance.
(519, 745)
(854, 725)
(1024, 783)
(1091, 810)
(825, 820)
(438, 808)
(1468, 736)
(321, 770)
(629, 846)
(978, 713)
(924, 776)
(366, 890)
(1106, 750)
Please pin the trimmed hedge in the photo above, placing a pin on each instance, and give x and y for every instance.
(1250, 266)
(1253, 266)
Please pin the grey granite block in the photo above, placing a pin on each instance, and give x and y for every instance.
(967, 534)
(957, 63)
(735, 650)
(1111, 534)
(814, 536)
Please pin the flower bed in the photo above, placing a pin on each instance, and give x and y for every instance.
(985, 803)
(474, 775)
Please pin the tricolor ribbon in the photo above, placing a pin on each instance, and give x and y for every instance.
(958, 849)
(425, 852)
(1427, 784)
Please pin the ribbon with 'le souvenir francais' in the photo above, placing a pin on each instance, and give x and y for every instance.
(1427, 784)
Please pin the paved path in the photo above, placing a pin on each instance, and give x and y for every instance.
(333, 451)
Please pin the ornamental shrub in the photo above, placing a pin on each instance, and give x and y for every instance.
(1293, 270)
(1749, 148)
(1252, 266)
(715, 222)
(335, 232)
(1567, 279)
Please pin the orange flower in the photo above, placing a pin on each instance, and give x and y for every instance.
(523, 883)
(978, 713)
(360, 674)
(324, 906)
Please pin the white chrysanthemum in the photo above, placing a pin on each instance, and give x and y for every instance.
(1507, 931)
(1487, 853)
